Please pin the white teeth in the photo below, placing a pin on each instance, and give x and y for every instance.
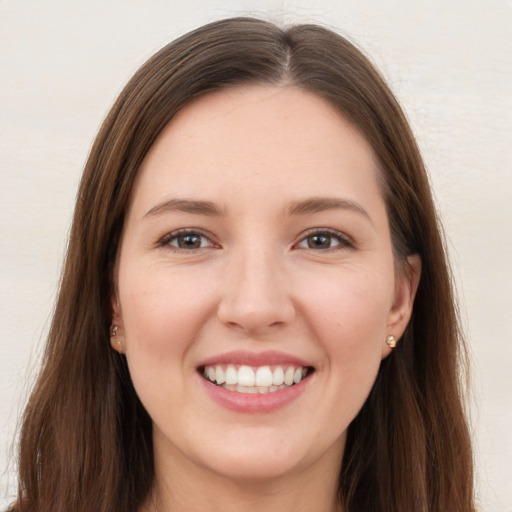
(231, 375)
(220, 377)
(288, 376)
(254, 380)
(246, 389)
(278, 376)
(263, 376)
(245, 376)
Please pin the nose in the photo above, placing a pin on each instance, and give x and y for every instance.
(256, 297)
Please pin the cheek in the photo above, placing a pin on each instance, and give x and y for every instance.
(162, 310)
(350, 322)
(162, 314)
(352, 306)
(348, 315)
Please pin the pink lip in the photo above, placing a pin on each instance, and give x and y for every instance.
(254, 403)
(268, 357)
(249, 403)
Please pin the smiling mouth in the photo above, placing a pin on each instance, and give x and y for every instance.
(260, 379)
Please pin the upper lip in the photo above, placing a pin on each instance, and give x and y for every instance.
(268, 357)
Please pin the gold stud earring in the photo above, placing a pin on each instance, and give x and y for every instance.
(391, 341)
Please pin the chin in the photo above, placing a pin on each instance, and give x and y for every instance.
(265, 454)
(254, 466)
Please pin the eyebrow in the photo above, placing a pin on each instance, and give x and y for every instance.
(187, 206)
(300, 207)
(320, 204)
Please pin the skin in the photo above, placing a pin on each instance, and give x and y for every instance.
(256, 282)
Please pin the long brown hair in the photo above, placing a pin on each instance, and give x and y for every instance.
(86, 440)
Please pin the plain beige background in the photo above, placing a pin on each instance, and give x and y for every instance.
(63, 62)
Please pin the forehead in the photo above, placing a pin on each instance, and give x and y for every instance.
(281, 140)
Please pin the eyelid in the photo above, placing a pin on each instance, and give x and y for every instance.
(165, 240)
(345, 242)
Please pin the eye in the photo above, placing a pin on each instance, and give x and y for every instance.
(325, 240)
(186, 240)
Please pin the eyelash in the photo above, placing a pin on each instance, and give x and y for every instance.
(343, 241)
(166, 240)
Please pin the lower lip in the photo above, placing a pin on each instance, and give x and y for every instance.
(254, 403)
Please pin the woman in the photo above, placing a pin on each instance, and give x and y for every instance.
(255, 238)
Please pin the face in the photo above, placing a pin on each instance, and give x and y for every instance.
(255, 283)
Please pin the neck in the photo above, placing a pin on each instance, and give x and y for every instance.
(182, 485)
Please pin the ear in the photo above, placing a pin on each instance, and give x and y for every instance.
(117, 340)
(405, 292)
